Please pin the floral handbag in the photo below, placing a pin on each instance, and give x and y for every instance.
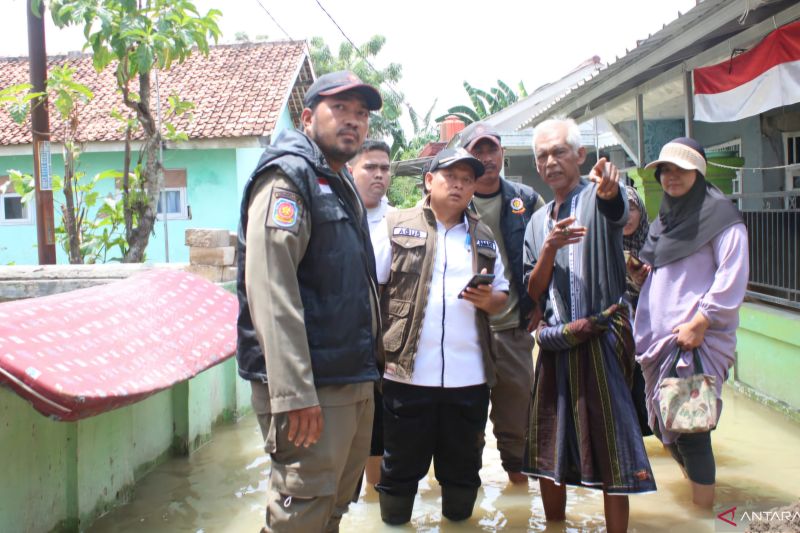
(688, 405)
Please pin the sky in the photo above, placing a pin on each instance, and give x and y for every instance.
(440, 43)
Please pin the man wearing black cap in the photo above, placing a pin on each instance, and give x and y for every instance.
(308, 322)
(437, 340)
(506, 208)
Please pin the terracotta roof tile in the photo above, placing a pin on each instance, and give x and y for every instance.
(238, 91)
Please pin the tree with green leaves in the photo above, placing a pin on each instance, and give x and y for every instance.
(485, 103)
(136, 37)
(359, 60)
(423, 132)
(86, 232)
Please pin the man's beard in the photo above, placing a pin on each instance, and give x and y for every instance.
(332, 152)
(335, 153)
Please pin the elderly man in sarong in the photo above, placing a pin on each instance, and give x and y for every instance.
(583, 428)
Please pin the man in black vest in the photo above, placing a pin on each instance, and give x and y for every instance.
(308, 315)
(506, 207)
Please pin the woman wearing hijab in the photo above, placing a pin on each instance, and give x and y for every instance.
(634, 235)
(696, 268)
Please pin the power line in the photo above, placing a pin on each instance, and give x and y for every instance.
(397, 95)
(275, 21)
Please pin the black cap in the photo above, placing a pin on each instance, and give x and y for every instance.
(451, 156)
(477, 131)
(340, 82)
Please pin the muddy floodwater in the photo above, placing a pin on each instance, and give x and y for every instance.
(221, 488)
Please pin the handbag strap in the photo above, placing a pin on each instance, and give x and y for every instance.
(698, 364)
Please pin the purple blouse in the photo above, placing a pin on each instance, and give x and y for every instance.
(712, 280)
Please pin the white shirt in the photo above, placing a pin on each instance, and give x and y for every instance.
(376, 215)
(449, 351)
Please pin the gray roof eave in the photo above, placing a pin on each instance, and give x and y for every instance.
(702, 28)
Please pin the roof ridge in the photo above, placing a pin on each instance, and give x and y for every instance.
(79, 54)
(239, 90)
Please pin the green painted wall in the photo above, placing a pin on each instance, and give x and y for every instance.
(768, 352)
(212, 192)
(284, 123)
(34, 487)
(62, 475)
(215, 179)
(247, 158)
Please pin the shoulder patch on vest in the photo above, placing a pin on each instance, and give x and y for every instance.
(285, 210)
(409, 232)
(484, 243)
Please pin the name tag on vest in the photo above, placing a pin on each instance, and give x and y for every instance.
(410, 232)
(487, 244)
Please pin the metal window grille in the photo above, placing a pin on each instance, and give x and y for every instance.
(774, 245)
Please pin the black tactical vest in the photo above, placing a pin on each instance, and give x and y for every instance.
(335, 275)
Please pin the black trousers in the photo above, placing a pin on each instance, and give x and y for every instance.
(376, 443)
(424, 423)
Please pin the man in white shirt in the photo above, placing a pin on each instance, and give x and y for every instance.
(439, 365)
(370, 169)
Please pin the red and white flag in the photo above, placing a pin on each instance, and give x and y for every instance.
(763, 78)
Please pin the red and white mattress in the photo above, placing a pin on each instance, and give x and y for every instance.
(81, 353)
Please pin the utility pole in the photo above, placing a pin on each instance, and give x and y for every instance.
(40, 130)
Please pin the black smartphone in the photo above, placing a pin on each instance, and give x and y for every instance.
(477, 279)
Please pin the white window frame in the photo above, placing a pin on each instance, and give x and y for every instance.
(790, 173)
(184, 208)
(27, 221)
(736, 183)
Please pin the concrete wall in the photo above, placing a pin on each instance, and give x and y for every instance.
(62, 475)
(768, 355)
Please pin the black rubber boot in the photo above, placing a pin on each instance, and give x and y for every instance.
(457, 502)
(396, 510)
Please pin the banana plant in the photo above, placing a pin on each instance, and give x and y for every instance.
(485, 103)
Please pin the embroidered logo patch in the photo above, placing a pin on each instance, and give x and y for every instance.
(486, 244)
(284, 212)
(517, 206)
(409, 232)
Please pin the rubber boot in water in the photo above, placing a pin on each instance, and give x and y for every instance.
(396, 510)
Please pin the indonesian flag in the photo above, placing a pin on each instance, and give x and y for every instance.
(760, 79)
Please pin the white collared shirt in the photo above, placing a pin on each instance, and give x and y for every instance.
(449, 350)
(376, 214)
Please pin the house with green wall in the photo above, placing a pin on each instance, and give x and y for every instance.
(244, 95)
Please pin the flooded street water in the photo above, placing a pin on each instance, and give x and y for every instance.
(222, 487)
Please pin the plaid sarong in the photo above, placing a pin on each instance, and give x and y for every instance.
(583, 428)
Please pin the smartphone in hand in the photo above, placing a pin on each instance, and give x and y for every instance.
(477, 279)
